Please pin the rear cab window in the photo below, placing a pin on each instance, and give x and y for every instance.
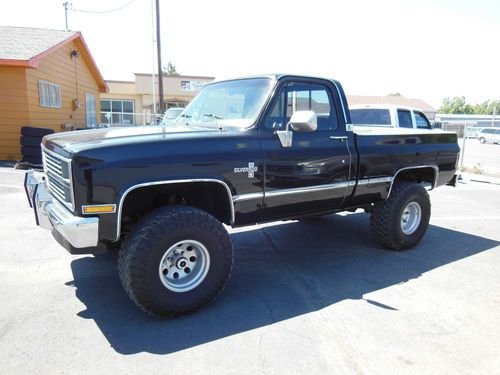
(370, 116)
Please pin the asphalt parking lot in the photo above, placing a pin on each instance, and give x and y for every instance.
(482, 158)
(305, 297)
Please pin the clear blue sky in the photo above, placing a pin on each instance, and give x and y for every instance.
(426, 49)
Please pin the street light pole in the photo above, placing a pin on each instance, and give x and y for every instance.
(158, 47)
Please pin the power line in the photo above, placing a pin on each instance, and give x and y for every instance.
(103, 11)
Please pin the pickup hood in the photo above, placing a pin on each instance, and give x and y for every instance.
(71, 142)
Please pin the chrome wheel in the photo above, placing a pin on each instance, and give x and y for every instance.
(410, 218)
(184, 266)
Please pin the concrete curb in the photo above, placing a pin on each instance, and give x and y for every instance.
(480, 178)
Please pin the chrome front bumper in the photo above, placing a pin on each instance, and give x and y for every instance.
(50, 214)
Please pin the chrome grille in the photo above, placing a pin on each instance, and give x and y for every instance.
(58, 173)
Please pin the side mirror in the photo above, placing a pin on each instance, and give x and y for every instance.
(301, 121)
(304, 121)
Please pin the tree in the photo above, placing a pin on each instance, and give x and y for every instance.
(487, 107)
(458, 105)
(394, 94)
(170, 69)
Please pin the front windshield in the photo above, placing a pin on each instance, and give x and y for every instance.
(227, 103)
(173, 113)
(170, 115)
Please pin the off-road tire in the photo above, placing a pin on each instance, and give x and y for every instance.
(385, 219)
(30, 131)
(148, 241)
(31, 141)
(31, 151)
(32, 160)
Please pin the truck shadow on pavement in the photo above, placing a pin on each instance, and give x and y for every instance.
(280, 272)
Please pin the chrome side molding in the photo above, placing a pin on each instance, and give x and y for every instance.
(310, 189)
(247, 197)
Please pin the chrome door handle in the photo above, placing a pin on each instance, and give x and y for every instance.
(340, 138)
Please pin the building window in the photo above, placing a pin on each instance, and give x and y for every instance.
(117, 112)
(90, 110)
(50, 94)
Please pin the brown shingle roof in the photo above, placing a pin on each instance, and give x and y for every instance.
(24, 43)
(27, 46)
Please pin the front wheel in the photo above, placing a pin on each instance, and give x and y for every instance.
(176, 260)
(482, 140)
(401, 221)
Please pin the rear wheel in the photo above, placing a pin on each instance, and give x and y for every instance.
(176, 260)
(401, 221)
(482, 140)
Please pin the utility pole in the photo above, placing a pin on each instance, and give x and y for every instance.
(153, 117)
(66, 8)
(158, 47)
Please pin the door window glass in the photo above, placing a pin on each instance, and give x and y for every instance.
(404, 118)
(303, 97)
(421, 121)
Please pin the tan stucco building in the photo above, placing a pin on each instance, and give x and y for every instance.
(131, 102)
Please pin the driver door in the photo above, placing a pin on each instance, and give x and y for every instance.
(312, 175)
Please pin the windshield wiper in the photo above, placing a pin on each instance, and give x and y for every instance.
(185, 116)
(215, 117)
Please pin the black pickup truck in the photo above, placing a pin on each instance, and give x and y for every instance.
(244, 151)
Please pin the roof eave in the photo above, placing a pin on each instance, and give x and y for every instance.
(34, 62)
(19, 63)
(103, 86)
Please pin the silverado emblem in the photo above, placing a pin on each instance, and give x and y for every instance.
(251, 169)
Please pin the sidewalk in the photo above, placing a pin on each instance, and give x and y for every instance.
(473, 177)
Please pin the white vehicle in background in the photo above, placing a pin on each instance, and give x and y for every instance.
(489, 135)
(386, 115)
(170, 115)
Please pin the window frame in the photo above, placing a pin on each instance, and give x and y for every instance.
(411, 118)
(109, 120)
(47, 101)
(283, 91)
(93, 113)
(387, 112)
(423, 116)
